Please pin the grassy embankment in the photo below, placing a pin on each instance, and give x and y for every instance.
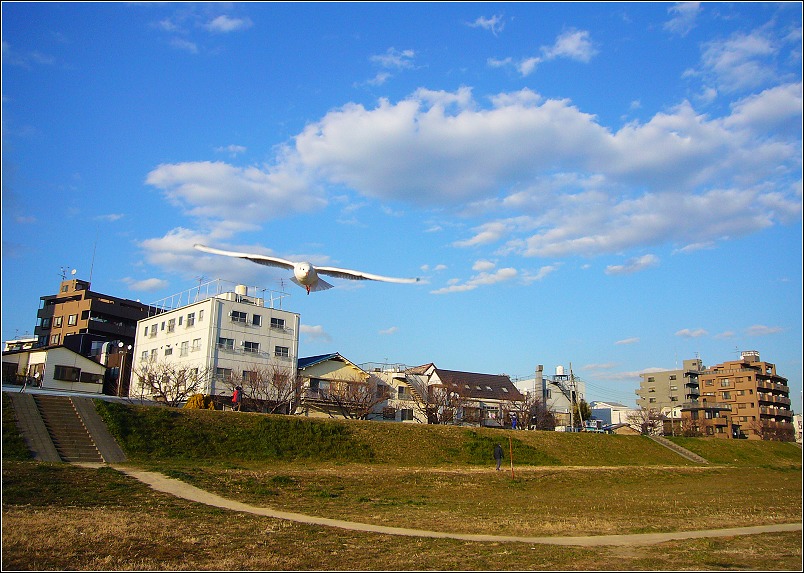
(427, 477)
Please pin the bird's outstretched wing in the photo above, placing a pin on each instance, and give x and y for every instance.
(360, 276)
(259, 259)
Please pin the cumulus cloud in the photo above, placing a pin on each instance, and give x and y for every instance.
(225, 24)
(240, 196)
(684, 17)
(537, 176)
(762, 330)
(633, 265)
(146, 285)
(688, 333)
(495, 24)
(314, 333)
(481, 279)
(744, 60)
(625, 341)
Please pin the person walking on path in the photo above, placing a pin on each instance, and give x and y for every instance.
(498, 455)
(237, 398)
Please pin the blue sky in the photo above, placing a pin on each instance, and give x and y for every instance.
(613, 186)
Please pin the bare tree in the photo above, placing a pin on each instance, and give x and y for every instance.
(168, 382)
(357, 398)
(646, 422)
(439, 404)
(767, 430)
(270, 388)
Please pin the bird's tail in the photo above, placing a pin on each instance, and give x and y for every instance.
(320, 284)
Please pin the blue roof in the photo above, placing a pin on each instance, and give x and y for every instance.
(310, 360)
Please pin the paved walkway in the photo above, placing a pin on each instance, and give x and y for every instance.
(184, 490)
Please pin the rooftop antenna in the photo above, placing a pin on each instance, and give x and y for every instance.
(94, 248)
(64, 272)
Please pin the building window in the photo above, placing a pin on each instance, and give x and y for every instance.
(45, 323)
(405, 414)
(741, 406)
(72, 320)
(196, 344)
(726, 395)
(278, 323)
(171, 325)
(200, 315)
(153, 355)
(223, 373)
(183, 348)
(144, 355)
(55, 339)
(153, 330)
(168, 351)
(253, 347)
(238, 316)
(402, 393)
(181, 318)
(672, 377)
(57, 322)
(281, 351)
(163, 326)
(190, 319)
(652, 400)
(67, 373)
(145, 332)
(256, 320)
(710, 382)
(226, 343)
(724, 383)
(651, 379)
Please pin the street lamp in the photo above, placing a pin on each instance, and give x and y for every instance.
(123, 350)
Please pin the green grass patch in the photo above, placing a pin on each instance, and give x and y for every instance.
(14, 447)
(147, 432)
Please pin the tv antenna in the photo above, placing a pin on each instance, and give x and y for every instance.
(63, 273)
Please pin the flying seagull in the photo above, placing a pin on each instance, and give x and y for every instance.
(305, 274)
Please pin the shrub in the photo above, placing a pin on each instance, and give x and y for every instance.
(200, 402)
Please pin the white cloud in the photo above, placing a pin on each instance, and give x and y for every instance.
(481, 279)
(684, 17)
(110, 218)
(146, 285)
(687, 333)
(633, 265)
(539, 275)
(495, 24)
(395, 59)
(232, 150)
(573, 45)
(184, 45)
(742, 61)
(537, 174)
(314, 333)
(626, 341)
(762, 330)
(483, 265)
(238, 197)
(388, 331)
(225, 24)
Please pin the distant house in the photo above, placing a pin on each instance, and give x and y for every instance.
(613, 416)
(429, 394)
(53, 368)
(332, 386)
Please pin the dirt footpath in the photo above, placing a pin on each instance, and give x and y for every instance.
(186, 491)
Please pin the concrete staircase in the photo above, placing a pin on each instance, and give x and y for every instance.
(684, 452)
(68, 432)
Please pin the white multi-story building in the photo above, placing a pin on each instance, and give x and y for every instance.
(224, 334)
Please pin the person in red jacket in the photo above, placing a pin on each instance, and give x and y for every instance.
(237, 398)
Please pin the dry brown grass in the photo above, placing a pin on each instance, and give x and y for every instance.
(538, 501)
